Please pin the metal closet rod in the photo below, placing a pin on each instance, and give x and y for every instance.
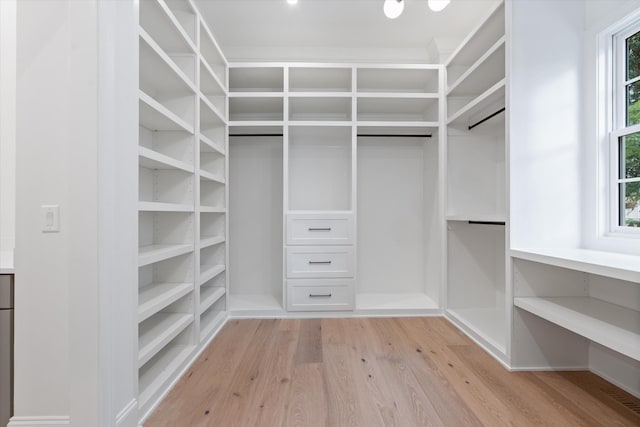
(375, 135)
(487, 118)
(488, 222)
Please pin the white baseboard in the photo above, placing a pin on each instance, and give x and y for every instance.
(128, 416)
(42, 421)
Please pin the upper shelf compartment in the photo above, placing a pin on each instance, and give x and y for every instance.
(398, 80)
(484, 73)
(404, 109)
(479, 42)
(157, 19)
(320, 79)
(186, 16)
(212, 54)
(256, 79)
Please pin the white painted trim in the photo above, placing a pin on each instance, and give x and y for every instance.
(40, 421)
(128, 416)
(547, 368)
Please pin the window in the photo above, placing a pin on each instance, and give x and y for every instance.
(625, 135)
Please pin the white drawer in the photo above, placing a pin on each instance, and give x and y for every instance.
(320, 229)
(320, 295)
(319, 261)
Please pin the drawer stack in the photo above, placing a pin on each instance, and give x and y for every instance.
(320, 261)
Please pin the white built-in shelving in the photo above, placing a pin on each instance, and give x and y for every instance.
(182, 191)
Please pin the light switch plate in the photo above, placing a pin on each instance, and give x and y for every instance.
(50, 218)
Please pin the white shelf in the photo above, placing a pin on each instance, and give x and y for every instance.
(609, 264)
(153, 160)
(213, 117)
(159, 70)
(394, 124)
(156, 296)
(211, 145)
(208, 272)
(336, 108)
(486, 324)
(205, 242)
(164, 207)
(397, 109)
(258, 108)
(320, 95)
(209, 81)
(478, 218)
(209, 295)
(395, 301)
(154, 116)
(211, 177)
(483, 73)
(158, 20)
(256, 79)
(209, 322)
(254, 302)
(610, 325)
(155, 377)
(212, 209)
(319, 79)
(492, 96)
(397, 80)
(155, 253)
(158, 331)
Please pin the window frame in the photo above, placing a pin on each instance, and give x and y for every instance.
(617, 124)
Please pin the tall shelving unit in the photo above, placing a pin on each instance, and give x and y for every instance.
(182, 192)
(477, 217)
(311, 125)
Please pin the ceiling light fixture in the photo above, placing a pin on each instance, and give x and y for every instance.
(292, 1)
(393, 8)
(438, 5)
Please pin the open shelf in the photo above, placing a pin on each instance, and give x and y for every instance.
(336, 109)
(164, 207)
(209, 295)
(254, 303)
(205, 242)
(608, 264)
(394, 302)
(320, 79)
(486, 72)
(208, 145)
(150, 159)
(157, 331)
(157, 296)
(161, 24)
(398, 109)
(208, 272)
(185, 14)
(488, 325)
(256, 109)
(477, 109)
(161, 71)
(155, 116)
(211, 177)
(155, 253)
(210, 116)
(212, 88)
(477, 218)
(610, 325)
(155, 375)
(256, 79)
(212, 54)
(398, 80)
(212, 318)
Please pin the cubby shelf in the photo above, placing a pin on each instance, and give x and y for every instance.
(414, 80)
(153, 160)
(212, 177)
(157, 331)
(209, 81)
(205, 242)
(487, 325)
(491, 97)
(481, 74)
(254, 302)
(155, 253)
(476, 218)
(154, 116)
(210, 322)
(155, 377)
(209, 295)
(164, 207)
(610, 325)
(256, 79)
(156, 296)
(608, 264)
(212, 209)
(208, 272)
(159, 21)
(212, 145)
(211, 115)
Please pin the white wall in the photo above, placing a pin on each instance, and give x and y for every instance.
(600, 14)
(7, 123)
(546, 123)
(75, 290)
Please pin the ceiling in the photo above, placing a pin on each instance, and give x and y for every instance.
(339, 29)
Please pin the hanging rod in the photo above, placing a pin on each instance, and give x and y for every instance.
(487, 222)
(486, 118)
(254, 135)
(382, 135)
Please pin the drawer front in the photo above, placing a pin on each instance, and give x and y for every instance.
(319, 262)
(320, 295)
(319, 229)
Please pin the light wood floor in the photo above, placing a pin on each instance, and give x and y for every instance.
(376, 372)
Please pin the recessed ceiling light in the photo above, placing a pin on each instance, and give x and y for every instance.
(292, 1)
(438, 5)
(393, 8)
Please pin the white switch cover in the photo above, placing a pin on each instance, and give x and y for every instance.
(50, 218)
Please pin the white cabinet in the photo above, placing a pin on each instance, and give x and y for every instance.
(320, 229)
(320, 295)
(319, 262)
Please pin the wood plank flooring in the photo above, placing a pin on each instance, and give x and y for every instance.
(376, 372)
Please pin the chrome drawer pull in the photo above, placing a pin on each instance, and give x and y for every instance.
(320, 229)
(319, 295)
(319, 262)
